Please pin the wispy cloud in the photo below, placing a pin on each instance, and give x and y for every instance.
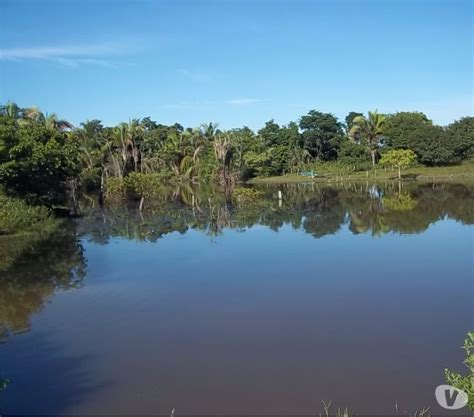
(242, 101)
(69, 56)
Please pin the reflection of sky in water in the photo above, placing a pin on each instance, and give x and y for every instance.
(254, 321)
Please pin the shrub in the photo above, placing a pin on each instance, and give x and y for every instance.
(16, 216)
(139, 185)
(114, 188)
(465, 382)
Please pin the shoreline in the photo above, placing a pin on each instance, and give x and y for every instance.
(463, 173)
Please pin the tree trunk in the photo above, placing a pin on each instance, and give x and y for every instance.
(373, 153)
(72, 197)
(399, 173)
(142, 200)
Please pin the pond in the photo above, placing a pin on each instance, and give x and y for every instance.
(356, 293)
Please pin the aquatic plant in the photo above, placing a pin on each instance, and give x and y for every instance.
(465, 382)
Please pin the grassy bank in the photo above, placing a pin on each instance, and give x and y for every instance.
(335, 173)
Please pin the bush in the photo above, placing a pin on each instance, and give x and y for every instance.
(465, 382)
(114, 188)
(16, 216)
(136, 185)
(139, 185)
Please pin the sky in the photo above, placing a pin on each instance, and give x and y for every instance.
(238, 62)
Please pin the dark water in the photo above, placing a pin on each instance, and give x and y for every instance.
(358, 294)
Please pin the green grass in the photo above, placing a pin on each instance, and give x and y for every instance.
(335, 173)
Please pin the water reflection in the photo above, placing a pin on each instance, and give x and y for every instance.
(32, 275)
(33, 269)
(318, 210)
(188, 322)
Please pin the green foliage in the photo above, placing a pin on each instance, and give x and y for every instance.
(36, 161)
(370, 130)
(138, 185)
(114, 188)
(398, 158)
(321, 135)
(16, 216)
(355, 155)
(403, 129)
(46, 161)
(432, 147)
(461, 135)
(465, 382)
(259, 164)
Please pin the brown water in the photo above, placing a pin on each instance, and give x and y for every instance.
(357, 294)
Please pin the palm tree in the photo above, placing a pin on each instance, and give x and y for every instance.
(51, 121)
(10, 109)
(371, 128)
(130, 135)
(222, 147)
(209, 130)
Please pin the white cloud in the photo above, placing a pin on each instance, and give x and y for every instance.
(70, 56)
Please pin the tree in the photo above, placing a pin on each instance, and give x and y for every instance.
(349, 121)
(432, 146)
(403, 129)
(222, 147)
(371, 129)
(461, 136)
(399, 158)
(322, 133)
(37, 163)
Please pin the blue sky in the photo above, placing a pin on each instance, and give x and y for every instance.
(237, 62)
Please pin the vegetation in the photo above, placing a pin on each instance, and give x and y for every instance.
(465, 382)
(399, 158)
(48, 162)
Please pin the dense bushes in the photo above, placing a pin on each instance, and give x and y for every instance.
(136, 185)
(16, 216)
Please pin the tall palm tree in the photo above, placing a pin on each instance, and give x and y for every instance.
(222, 147)
(371, 128)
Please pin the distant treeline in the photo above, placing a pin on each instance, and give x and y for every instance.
(45, 160)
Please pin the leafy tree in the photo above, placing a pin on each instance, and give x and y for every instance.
(432, 146)
(461, 136)
(36, 162)
(322, 134)
(399, 158)
(371, 128)
(403, 129)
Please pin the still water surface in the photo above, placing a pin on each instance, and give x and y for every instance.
(358, 294)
